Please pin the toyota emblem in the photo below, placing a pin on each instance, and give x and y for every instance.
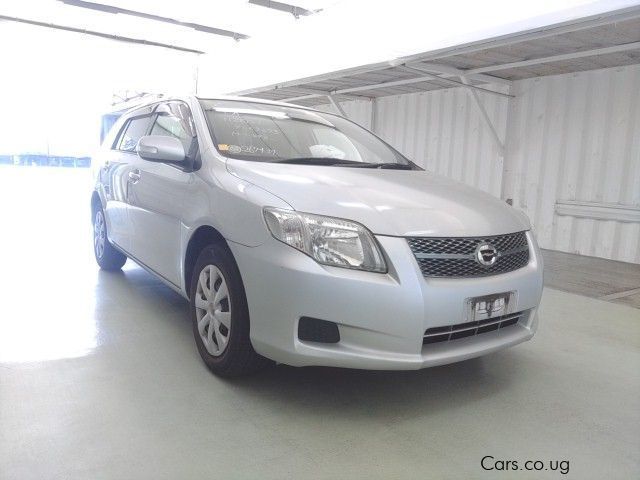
(486, 254)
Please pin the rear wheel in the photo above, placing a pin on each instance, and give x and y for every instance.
(106, 255)
(220, 314)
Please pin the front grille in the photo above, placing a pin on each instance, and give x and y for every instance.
(456, 256)
(469, 329)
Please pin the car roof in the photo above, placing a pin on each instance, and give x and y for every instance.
(153, 101)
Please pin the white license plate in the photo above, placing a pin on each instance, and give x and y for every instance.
(490, 306)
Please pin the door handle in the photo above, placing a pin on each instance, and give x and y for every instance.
(134, 176)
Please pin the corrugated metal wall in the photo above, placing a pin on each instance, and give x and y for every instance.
(568, 137)
(358, 111)
(577, 137)
(442, 131)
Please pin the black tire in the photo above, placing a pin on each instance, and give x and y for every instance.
(106, 254)
(238, 357)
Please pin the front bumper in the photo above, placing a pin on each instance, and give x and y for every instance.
(381, 317)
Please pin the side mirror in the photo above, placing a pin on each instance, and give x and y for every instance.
(158, 148)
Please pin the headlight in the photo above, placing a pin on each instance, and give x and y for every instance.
(328, 240)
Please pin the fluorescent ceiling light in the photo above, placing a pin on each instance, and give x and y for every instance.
(94, 33)
(285, 7)
(149, 16)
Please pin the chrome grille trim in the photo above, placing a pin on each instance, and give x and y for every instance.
(469, 329)
(469, 256)
(455, 256)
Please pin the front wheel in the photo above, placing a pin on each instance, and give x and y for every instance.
(106, 255)
(221, 316)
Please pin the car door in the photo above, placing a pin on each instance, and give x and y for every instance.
(117, 164)
(158, 197)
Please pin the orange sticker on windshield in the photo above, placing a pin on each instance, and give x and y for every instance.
(223, 147)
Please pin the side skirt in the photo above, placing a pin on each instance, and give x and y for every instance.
(167, 282)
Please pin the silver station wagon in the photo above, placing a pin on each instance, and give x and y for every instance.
(302, 238)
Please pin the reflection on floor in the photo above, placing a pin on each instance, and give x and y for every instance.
(100, 378)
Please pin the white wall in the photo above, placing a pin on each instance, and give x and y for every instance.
(569, 137)
(70, 79)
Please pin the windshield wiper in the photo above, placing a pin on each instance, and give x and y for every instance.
(330, 161)
(395, 166)
(318, 161)
(390, 166)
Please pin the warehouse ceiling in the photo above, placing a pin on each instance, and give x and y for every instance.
(190, 26)
(605, 40)
(255, 47)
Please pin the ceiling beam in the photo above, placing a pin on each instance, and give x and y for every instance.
(557, 58)
(376, 86)
(108, 36)
(429, 77)
(303, 97)
(316, 78)
(315, 92)
(456, 83)
(447, 70)
(342, 91)
(100, 7)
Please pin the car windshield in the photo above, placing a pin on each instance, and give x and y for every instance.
(279, 134)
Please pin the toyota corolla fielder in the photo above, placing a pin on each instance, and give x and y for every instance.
(300, 237)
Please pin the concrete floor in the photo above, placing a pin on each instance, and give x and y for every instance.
(593, 277)
(100, 378)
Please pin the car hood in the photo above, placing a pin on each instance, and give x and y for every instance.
(387, 202)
